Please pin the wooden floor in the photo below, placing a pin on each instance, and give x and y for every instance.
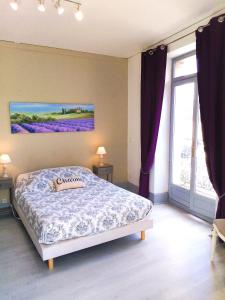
(172, 263)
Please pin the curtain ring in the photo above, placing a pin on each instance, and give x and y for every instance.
(200, 29)
(151, 52)
(221, 19)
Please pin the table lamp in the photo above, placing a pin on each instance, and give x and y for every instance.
(5, 160)
(101, 152)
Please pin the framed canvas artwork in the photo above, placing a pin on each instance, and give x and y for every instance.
(28, 117)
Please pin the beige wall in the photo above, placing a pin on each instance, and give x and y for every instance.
(29, 73)
(134, 138)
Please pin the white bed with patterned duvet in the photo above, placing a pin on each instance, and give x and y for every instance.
(70, 220)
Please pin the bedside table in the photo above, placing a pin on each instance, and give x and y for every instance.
(6, 184)
(104, 171)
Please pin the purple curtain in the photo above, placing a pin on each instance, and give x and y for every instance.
(210, 51)
(153, 69)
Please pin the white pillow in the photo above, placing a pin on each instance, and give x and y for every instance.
(61, 184)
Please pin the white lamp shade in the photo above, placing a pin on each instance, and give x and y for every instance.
(5, 159)
(101, 150)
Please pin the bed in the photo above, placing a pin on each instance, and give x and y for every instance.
(70, 220)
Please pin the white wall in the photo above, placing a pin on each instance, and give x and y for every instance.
(161, 163)
(159, 172)
(159, 175)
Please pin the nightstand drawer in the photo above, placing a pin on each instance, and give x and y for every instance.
(105, 171)
(5, 184)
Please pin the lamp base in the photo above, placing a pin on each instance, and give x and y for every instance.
(101, 160)
(4, 173)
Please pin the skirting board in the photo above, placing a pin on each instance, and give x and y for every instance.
(163, 198)
(187, 209)
(128, 186)
(68, 246)
(158, 198)
(5, 211)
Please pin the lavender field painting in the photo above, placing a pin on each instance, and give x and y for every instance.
(29, 117)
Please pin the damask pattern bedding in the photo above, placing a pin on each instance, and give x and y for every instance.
(99, 206)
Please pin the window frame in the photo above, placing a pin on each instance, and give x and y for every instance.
(180, 57)
(187, 199)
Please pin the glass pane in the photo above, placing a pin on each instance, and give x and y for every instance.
(203, 185)
(182, 135)
(185, 66)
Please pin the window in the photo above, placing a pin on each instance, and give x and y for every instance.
(189, 181)
(185, 66)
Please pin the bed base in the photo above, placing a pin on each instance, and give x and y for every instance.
(49, 252)
(51, 260)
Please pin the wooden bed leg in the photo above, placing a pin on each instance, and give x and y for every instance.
(50, 264)
(143, 235)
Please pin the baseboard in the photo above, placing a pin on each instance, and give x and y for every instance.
(161, 198)
(128, 186)
(187, 209)
(6, 211)
(158, 198)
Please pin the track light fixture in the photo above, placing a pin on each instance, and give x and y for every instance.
(59, 7)
(14, 4)
(41, 5)
(78, 13)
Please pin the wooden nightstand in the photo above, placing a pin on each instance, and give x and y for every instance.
(6, 184)
(104, 171)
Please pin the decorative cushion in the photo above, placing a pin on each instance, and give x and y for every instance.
(61, 183)
(41, 181)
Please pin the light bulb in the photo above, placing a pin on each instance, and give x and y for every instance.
(79, 15)
(60, 10)
(14, 5)
(41, 5)
(58, 6)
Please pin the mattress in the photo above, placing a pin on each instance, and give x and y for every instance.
(55, 216)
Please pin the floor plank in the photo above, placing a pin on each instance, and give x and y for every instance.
(172, 263)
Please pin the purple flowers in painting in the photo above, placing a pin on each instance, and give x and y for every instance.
(54, 126)
(47, 118)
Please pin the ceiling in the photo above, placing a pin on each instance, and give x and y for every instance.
(112, 27)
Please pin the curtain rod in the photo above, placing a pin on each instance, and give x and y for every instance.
(180, 38)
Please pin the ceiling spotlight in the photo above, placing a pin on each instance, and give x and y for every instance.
(60, 9)
(41, 5)
(14, 5)
(78, 13)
